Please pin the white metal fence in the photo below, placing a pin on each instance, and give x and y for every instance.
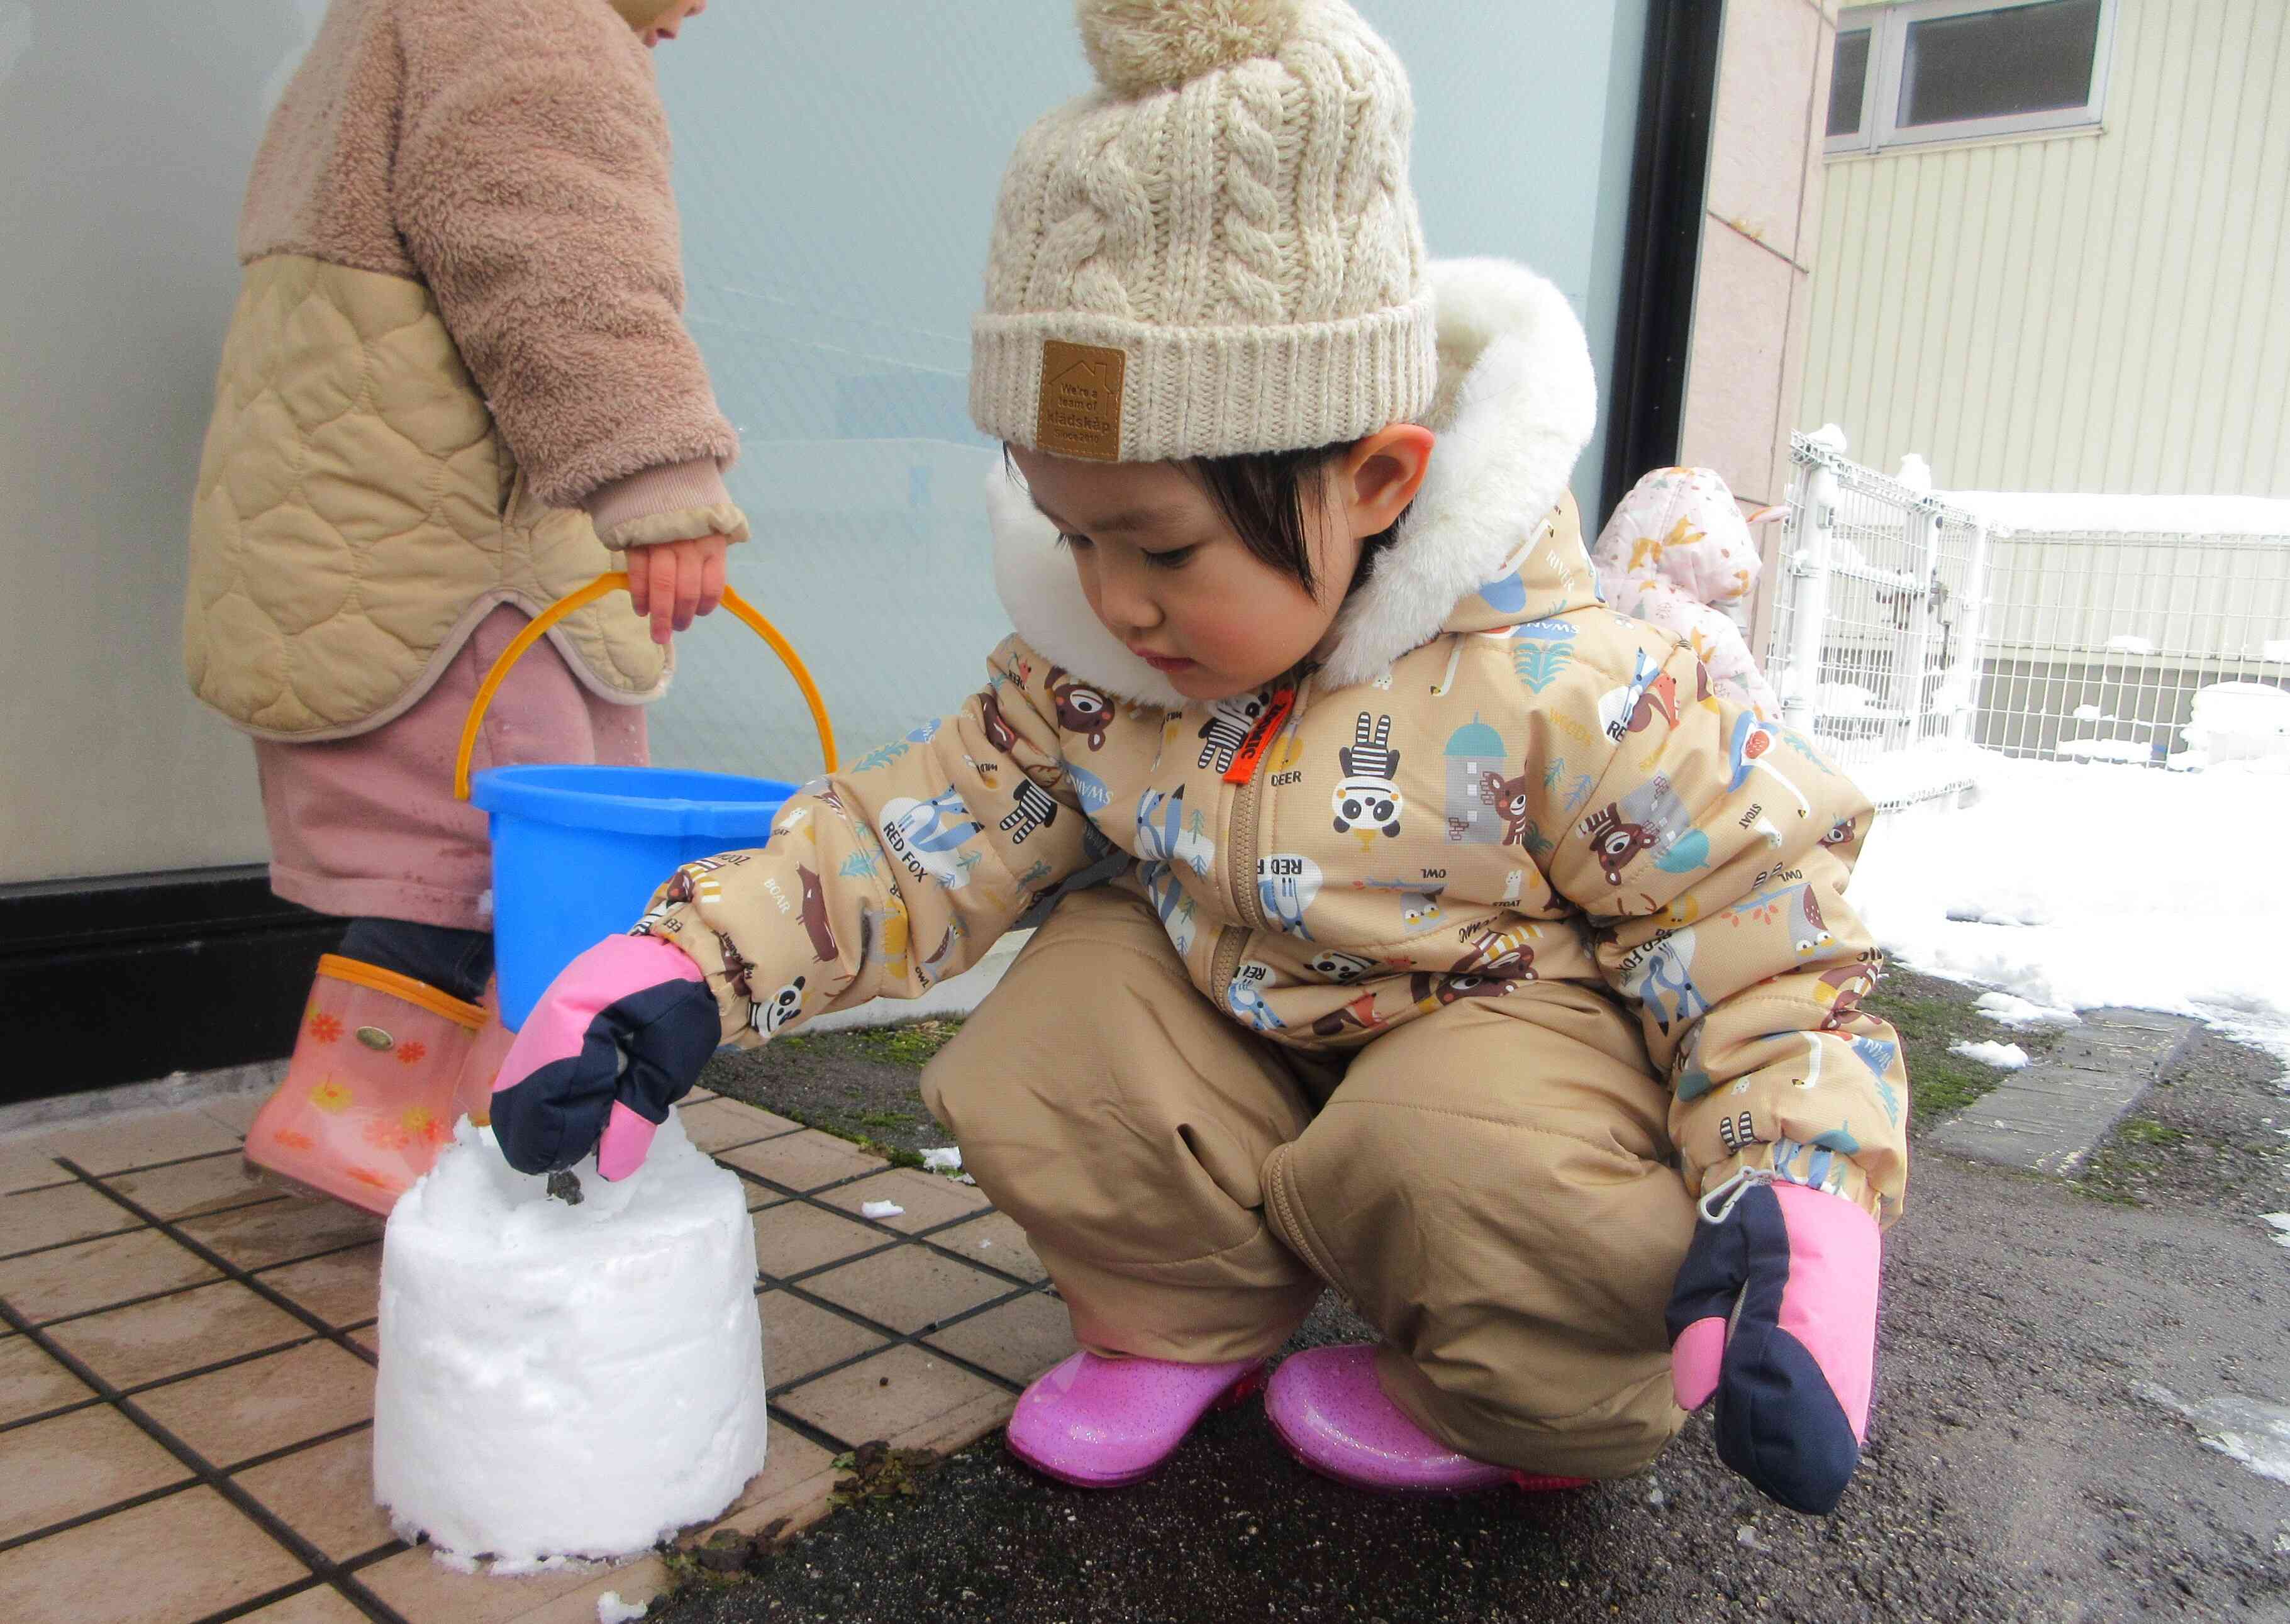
(1877, 624)
(1907, 629)
(2098, 641)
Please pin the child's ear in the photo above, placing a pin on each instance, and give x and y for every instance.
(1380, 475)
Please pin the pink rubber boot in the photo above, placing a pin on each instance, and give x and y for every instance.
(1331, 1412)
(370, 1094)
(1101, 1423)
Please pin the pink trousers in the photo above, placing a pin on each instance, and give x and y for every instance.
(368, 827)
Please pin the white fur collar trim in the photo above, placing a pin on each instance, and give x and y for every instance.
(1038, 585)
(1516, 402)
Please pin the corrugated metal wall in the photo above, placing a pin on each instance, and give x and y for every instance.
(2195, 598)
(2103, 313)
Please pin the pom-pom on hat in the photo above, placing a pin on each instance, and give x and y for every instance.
(1136, 46)
(1217, 251)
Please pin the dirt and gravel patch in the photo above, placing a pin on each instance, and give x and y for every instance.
(2212, 1134)
(1931, 1015)
(2030, 1456)
(859, 1084)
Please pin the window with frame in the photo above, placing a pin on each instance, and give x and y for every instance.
(1947, 70)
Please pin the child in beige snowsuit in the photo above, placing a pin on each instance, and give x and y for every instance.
(1410, 924)
(456, 387)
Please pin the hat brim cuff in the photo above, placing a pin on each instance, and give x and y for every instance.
(1218, 391)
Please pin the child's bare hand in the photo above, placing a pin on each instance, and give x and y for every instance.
(673, 581)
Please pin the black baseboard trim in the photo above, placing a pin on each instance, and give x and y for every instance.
(131, 978)
(1662, 246)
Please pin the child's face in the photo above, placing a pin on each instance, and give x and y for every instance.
(670, 22)
(1165, 572)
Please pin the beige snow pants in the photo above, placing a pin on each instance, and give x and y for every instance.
(1489, 1185)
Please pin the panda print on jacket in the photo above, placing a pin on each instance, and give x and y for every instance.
(1367, 798)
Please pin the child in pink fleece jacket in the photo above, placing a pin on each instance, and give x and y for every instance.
(457, 387)
(1678, 553)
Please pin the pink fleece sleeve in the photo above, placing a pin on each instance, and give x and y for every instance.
(531, 186)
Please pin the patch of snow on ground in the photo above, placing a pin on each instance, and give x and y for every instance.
(2107, 749)
(880, 1209)
(612, 1609)
(2241, 721)
(2281, 1223)
(2250, 1430)
(2006, 1011)
(946, 1160)
(1926, 772)
(2004, 1057)
(2117, 885)
(2012, 907)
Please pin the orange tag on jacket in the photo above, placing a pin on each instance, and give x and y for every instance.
(1245, 760)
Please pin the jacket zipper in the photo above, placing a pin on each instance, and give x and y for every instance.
(1248, 903)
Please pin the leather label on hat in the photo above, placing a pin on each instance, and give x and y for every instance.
(1080, 413)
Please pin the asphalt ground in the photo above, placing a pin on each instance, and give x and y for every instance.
(2062, 1369)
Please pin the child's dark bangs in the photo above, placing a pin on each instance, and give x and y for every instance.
(1261, 494)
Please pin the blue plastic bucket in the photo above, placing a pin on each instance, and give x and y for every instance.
(577, 852)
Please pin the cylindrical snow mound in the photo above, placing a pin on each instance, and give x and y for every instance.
(567, 1380)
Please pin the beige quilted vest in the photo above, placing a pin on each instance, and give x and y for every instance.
(358, 514)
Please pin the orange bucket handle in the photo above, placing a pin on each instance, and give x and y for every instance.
(616, 581)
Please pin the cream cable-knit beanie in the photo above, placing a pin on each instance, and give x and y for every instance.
(1217, 251)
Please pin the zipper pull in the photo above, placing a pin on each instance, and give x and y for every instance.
(1252, 749)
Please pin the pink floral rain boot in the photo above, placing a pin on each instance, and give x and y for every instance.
(372, 1092)
(1331, 1412)
(1101, 1423)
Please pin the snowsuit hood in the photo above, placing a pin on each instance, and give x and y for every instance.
(1517, 401)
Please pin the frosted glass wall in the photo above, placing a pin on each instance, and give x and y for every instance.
(838, 168)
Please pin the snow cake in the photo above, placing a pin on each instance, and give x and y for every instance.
(567, 1379)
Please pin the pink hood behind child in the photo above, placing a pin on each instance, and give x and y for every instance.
(1678, 553)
